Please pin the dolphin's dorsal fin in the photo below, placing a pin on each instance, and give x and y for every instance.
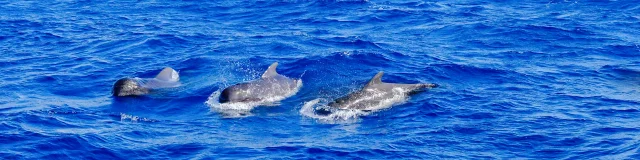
(377, 79)
(271, 71)
(168, 74)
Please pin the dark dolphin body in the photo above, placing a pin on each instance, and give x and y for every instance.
(167, 78)
(374, 94)
(270, 86)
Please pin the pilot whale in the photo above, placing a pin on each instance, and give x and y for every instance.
(167, 78)
(271, 87)
(374, 94)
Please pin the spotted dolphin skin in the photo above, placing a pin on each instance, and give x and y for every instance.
(270, 87)
(167, 78)
(376, 93)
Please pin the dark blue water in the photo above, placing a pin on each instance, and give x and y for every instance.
(537, 79)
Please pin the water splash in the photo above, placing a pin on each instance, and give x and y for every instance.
(336, 115)
(133, 118)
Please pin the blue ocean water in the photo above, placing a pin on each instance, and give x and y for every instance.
(534, 80)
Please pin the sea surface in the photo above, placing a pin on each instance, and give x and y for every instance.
(518, 79)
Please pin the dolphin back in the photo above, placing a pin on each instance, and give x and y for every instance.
(376, 83)
(167, 78)
(270, 87)
(376, 94)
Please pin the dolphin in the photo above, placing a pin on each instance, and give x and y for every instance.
(270, 87)
(167, 78)
(374, 94)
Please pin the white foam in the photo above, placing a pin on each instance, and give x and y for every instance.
(242, 109)
(338, 115)
(132, 118)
